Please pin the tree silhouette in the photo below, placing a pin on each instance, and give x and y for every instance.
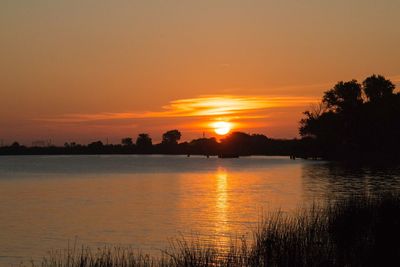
(352, 127)
(236, 144)
(239, 143)
(15, 145)
(143, 142)
(203, 146)
(377, 87)
(343, 96)
(171, 137)
(127, 141)
(96, 145)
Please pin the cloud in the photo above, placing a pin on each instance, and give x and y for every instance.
(395, 79)
(227, 106)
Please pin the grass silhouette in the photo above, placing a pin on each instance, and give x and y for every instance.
(356, 231)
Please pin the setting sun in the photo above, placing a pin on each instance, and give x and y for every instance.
(222, 127)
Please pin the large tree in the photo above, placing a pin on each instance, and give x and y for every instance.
(343, 96)
(349, 126)
(143, 141)
(171, 137)
(376, 87)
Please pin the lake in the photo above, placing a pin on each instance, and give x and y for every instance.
(143, 201)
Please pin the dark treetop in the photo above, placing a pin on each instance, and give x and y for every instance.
(355, 121)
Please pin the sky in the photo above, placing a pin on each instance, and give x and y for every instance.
(102, 70)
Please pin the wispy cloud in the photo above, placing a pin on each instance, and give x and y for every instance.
(395, 79)
(243, 107)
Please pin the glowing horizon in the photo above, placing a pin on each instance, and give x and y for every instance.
(106, 70)
(242, 112)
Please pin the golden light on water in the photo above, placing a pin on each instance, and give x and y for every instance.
(221, 191)
(222, 205)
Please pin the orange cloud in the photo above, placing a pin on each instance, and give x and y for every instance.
(395, 79)
(227, 106)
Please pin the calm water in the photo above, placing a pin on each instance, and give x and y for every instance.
(142, 201)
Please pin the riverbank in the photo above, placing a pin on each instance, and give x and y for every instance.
(356, 231)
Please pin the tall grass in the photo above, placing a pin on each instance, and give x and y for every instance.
(358, 231)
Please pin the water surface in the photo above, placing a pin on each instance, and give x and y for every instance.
(142, 201)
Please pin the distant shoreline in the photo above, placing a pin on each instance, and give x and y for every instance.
(240, 144)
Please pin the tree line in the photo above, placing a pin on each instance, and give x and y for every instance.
(236, 143)
(354, 121)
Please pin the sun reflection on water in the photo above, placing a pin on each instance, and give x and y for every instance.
(222, 204)
(222, 195)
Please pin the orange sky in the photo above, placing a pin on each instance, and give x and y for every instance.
(88, 70)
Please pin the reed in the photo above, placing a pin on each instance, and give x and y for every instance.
(356, 231)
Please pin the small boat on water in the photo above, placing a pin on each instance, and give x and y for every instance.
(228, 156)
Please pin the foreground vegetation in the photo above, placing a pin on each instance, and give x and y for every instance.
(358, 231)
